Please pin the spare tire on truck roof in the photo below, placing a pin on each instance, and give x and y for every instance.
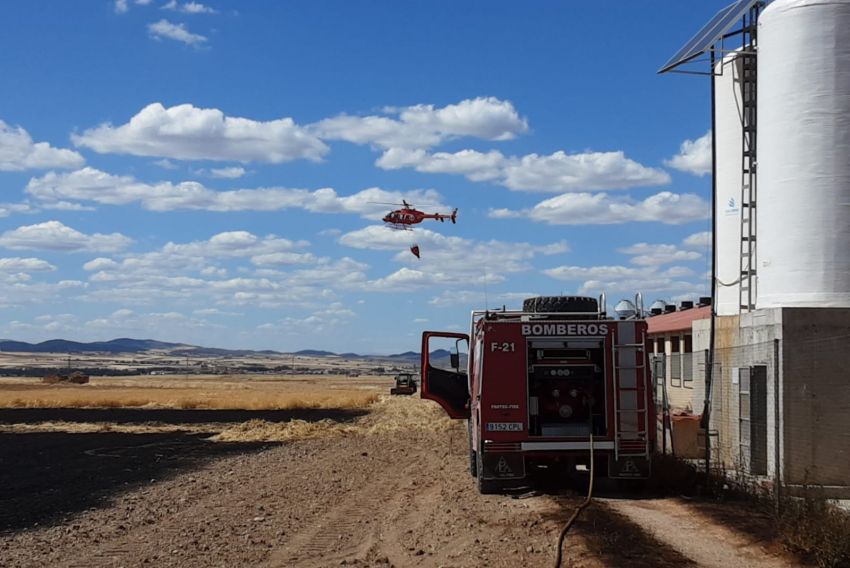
(561, 304)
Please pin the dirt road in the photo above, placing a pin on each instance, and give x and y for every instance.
(389, 488)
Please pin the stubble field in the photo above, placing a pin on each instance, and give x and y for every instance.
(263, 470)
(246, 392)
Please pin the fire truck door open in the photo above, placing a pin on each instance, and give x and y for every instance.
(446, 382)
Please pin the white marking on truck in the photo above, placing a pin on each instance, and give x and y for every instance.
(564, 329)
(504, 427)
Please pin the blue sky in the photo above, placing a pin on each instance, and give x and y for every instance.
(204, 171)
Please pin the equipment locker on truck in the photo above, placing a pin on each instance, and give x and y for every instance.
(539, 382)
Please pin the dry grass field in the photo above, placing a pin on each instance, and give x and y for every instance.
(256, 395)
(246, 392)
(239, 408)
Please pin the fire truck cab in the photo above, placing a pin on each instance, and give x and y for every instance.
(540, 382)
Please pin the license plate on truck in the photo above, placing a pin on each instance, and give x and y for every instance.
(504, 427)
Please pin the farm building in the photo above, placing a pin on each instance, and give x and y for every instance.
(778, 338)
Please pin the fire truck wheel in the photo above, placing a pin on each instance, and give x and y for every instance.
(557, 304)
(486, 486)
(473, 466)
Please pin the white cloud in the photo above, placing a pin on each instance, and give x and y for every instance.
(446, 260)
(476, 166)
(580, 172)
(321, 321)
(698, 240)
(100, 263)
(227, 173)
(557, 172)
(232, 244)
(18, 152)
(593, 280)
(694, 156)
(189, 7)
(46, 322)
(66, 206)
(166, 164)
(282, 259)
(127, 322)
(216, 312)
(7, 209)
(190, 272)
(91, 185)
(22, 291)
(122, 6)
(177, 32)
(17, 264)
(646, 254)
(423, 126)
(572, 273)
(475, 299)
(185, 132)
(53, 235)
(602, 209)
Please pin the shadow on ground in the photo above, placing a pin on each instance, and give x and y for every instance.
(613, 538)
(748, 517)
(47, 476)
(169, 415)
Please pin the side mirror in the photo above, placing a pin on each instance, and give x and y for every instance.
(454, 361)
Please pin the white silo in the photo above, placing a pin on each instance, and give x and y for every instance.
(728, 133)
(804, 154)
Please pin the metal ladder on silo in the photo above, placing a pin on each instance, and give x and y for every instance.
(749, 115)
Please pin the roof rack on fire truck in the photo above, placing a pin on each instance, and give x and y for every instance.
(531, 310)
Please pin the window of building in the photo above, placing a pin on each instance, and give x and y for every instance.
(676, 369)
(688, 361)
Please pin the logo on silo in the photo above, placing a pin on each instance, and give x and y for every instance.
(732, 207)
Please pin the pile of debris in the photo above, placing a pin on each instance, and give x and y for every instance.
(75, 378)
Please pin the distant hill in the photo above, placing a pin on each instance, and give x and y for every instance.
(124, 345)
(128, 345)
(121, 345)
(315, 353)
(407, 356)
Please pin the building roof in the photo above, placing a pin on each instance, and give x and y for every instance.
(677, 321)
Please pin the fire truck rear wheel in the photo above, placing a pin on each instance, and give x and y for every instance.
(557, 304)
(486, 486)
(473, 466)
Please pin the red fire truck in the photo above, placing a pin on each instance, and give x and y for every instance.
(540, 382)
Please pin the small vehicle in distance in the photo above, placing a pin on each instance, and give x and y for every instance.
(404, 384)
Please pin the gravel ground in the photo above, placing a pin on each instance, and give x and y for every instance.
(394, 497)
(704, 542)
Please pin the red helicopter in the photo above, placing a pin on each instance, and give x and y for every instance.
(408, 215)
